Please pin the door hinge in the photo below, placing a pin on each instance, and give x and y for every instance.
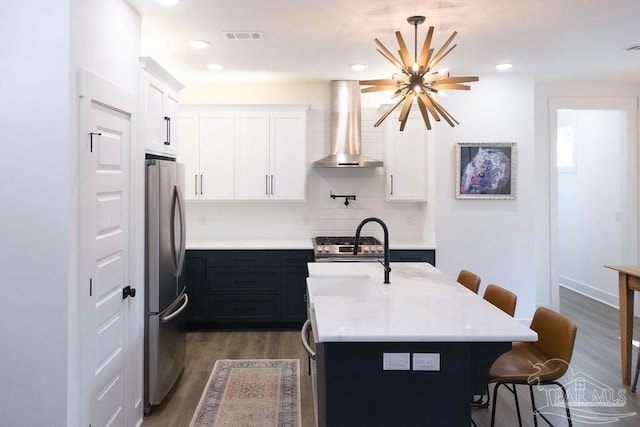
(91, 134)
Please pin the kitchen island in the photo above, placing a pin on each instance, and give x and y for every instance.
(413, 352)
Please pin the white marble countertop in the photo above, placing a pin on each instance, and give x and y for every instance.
(304, 243)
(254, 244)
(421, 304)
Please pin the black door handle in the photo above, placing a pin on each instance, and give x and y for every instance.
(128, 291)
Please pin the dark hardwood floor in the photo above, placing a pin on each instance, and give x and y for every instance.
(595, 365)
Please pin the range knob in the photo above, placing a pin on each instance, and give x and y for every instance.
(379, 248)
(366, 249)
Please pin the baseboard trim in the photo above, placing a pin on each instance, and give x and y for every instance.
(590, 291)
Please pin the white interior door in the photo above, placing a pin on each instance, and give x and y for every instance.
(107, 352)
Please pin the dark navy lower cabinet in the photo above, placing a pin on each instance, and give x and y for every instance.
(195, 271)
(246, 287)
(413, 255)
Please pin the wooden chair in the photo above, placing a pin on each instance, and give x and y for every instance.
(469, 280)
(536, 363)
(502, 298)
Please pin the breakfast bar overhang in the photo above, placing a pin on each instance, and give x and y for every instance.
(413, 352)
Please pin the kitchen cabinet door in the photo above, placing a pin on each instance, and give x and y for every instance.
(406, 160)
(172, 121)
(217, 155)
(207, 150)
(252, 174)
(161, 134)
(190, 153)
(160, 131)
(195, 270)
(288, 155)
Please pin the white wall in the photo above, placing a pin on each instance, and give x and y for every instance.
(490, 237)
(39, 194)
(318, 214)
(35, 210)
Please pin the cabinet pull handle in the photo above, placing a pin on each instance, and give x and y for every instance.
(195, 184)
(201, 186)
(266, 184)
(272, 192)
(167, 119)
(391, 184)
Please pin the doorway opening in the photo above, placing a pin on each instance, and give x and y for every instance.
(593, 194)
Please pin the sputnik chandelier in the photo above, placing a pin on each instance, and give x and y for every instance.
(417, 80)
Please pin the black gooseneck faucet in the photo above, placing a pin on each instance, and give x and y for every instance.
(356, 244)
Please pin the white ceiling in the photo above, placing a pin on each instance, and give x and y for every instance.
(310, 40)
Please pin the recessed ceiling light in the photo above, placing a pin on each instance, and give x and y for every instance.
(168, 2)
(504, 66)
(358, 66)
(215, 67)
(199, 44)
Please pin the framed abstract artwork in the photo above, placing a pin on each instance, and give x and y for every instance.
(486, 170)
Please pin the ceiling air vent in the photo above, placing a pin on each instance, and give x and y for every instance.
(632, 48)
(243, 35)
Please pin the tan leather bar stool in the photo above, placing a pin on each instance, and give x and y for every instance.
(469, 280)
(502, 298)
(506, 301)
(537, 363)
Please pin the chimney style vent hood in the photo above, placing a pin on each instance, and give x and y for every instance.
(345, 129)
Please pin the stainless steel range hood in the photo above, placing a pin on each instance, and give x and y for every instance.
(346, 141)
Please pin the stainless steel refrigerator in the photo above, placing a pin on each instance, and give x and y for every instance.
(165, 296)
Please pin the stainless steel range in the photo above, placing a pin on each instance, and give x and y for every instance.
(340, 248)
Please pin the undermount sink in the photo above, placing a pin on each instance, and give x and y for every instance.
(342, 286)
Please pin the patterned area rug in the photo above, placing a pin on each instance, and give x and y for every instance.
(251, 393)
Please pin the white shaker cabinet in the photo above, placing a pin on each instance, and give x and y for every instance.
(160, 109)
(235, 152)
(270, 155)
(406, 159)
(252, 156)
(207, 150)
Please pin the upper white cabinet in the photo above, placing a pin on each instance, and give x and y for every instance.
(270, 155)
(406, 159)
(238, 153)
(207, 150)
(252, 156)
(160, 110)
